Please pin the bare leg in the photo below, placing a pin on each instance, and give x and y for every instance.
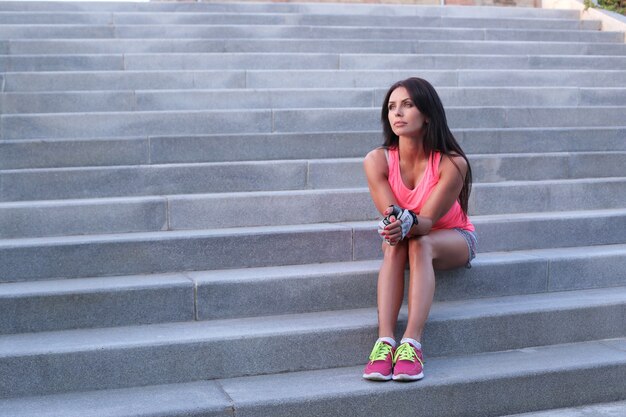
(391, 287)
(443, 249)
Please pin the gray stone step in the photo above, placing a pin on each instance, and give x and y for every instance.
(102, 80)
(128, 124)
(319, 61)
(538, 373)
(503, 232)
(225, 177)
(19, 154)
(221, 294)
(505, 374)
(77, 31)
(231, 79)
(308, 288)
(203, 398)
(613, 409)
(197, 99)
(139, 214)
(108, 46)
(296, 8)
(206, 18)
(161, 252)
(95, 302)
(177, 352)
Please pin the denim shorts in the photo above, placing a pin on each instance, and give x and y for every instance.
(472, 244)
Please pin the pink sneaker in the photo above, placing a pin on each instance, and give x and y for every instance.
(380, 365)
(409, 363)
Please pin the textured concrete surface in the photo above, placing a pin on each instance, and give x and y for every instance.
(124, 357)
(245, 124)
(96, 302)
(478, 383)
(196, 399)
(615, 409)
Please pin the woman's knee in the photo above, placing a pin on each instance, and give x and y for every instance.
(396, 251)
(421, 248)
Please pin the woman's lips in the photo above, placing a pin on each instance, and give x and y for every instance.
(398, 124)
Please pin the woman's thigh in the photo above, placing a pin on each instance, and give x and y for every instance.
(449, 249)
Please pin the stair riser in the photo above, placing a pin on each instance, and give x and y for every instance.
(142, 62)
(312, 8)
(107, 306)
(161, 150)
(487, 278)
(124, 80)
(338, 243)
(519, 235)
(149, 299)
(126, 101)
(109, 46)
(175, 254)
(295, 32)
(503, 396)
(200, 18)
(95, 125)
(117, 367)
(159, 80)
(281, 175)
(207, 212)
(155, 180)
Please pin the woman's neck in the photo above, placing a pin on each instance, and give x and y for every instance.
(411, 149)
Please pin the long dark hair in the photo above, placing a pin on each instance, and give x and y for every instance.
(437, 135)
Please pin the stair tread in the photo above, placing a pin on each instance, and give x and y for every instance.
(127, 337)
(313, 227)
(313, 388)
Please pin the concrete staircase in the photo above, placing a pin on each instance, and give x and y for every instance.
(185, 227)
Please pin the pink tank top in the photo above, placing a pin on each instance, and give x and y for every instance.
(414, 199)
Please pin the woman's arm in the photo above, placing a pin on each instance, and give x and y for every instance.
(444, 195)
(377, 171)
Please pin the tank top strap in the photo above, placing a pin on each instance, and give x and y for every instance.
(432, 169)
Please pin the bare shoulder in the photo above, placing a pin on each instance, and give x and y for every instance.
(453, 163)
(375, 161)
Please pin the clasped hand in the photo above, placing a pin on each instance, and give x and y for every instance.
(396, 224)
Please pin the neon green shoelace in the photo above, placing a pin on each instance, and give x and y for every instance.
(406, 353)
(380, 352)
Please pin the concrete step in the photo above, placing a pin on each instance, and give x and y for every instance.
(95, 302)
(143, 214)
(537, 372)
(158, 31)
(504, 374)
(295, 8)
(128, 124)
(310, 288)
(229, 177)
(250, 292)
(163, 252)
(19, 154)
(232, 79)
(242, 18)
(613, 409)
(176, 352)
(197, 99)
(292, 61)
(108, 46)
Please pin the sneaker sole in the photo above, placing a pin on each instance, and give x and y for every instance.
(406, 377)
(377, 377)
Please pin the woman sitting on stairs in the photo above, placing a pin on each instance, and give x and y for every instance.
(420, 181)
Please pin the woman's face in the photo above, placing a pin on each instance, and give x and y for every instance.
(404, 117)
